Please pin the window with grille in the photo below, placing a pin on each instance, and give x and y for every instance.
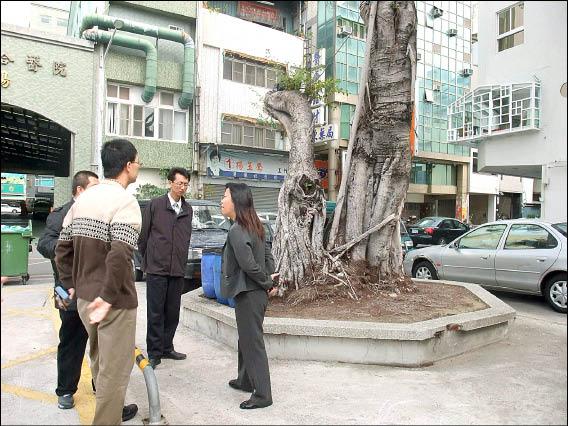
(247, 134)
(251, 73)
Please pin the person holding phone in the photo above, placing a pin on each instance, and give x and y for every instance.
(72, 333)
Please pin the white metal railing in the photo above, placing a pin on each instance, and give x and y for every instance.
(494, 110)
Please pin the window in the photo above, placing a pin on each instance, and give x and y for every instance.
(248, 136)
(526, 236)
(486, 238)
(511, 30)
(165, 124)
(250, 72)
(459, 225)
(474, 167)
(233, 133)
(62, 22)
(227, 69)
(128, 115)
(112, 128)
(46, 19)
(428, 95)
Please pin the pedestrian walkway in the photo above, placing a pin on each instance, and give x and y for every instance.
(521, 380)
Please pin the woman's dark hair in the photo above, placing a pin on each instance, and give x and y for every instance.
(244, 208)
(177, 171)
(115, 155)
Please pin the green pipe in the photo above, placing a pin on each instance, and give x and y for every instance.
(108, 22)
(133, 43)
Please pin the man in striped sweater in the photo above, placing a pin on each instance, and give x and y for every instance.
(94, 259)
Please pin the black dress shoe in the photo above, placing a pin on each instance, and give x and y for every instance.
(174, 355)
(129, 411)
(250, 404)
(154, 361)
(235, 385)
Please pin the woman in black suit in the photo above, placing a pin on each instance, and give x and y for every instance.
(247, 268)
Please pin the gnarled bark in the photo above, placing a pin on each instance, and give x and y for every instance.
(379, 170)
(298, 243)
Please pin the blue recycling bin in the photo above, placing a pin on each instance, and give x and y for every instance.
(216, 270)
(208, 261)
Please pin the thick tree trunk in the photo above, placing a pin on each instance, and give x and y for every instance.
(379, 172)
(298, 243)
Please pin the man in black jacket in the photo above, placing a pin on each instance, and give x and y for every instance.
(72, 334)
(163, 245)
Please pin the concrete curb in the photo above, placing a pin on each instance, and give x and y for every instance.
(414, 344)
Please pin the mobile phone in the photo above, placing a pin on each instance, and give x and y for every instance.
(63, 294)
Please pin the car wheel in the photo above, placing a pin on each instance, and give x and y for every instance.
(424, 270)
(442, 241)
(555, 292)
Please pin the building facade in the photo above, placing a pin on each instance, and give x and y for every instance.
(440, 170)
(47, 102)
(144, 83)
(516, 112)
(242, 46)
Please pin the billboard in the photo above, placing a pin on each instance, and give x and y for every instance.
(14, 186)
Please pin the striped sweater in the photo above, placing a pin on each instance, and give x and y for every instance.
(95, 247)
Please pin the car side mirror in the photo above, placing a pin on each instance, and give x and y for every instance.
(454, 245)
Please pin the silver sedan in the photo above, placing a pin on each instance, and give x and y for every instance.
(521, 256)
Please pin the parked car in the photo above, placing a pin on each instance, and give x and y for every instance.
(208, 232)
(268, 216)
(7, 208)
(436, 230)
(41, 208)
(521, 256)
(405, 239)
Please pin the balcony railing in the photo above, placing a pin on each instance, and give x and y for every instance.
(494, 110)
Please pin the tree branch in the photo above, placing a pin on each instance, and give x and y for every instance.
(358, 113)
(342, 249)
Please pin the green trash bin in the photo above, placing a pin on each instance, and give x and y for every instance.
(15, 241)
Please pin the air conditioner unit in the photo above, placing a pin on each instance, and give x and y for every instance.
(452, 32)
(436, 87)
(345, 30)
(418, 56)
(436, 12)
(466, 72)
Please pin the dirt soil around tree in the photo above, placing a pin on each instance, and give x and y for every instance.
(401, 302)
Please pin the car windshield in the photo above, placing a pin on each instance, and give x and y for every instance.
(560, 227)
(209, 217)
(427, 221)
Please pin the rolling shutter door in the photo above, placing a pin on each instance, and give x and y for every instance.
(265, 199)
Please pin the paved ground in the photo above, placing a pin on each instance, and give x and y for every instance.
(521, 380)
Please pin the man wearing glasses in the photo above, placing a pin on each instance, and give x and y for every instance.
(163, 245)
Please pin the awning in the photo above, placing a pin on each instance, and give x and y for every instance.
(33, 144)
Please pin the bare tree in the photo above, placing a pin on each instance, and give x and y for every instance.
(379, 158)
(298, 244)
(373, 190)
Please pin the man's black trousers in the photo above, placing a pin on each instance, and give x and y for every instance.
(163, 298)
(70, 352)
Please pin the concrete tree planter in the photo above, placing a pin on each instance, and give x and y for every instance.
(408, 345)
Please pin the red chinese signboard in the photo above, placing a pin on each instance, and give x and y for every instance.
(258, 13)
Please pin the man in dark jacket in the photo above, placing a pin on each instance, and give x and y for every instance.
(163, 245)
(72, 334)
